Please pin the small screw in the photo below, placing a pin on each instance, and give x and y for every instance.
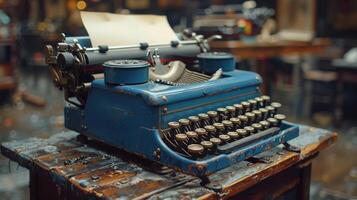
(164, 98)
(201, 167)
(164, 110)
(94, 177)
(123, 181)
(84, 127)
(157, 153)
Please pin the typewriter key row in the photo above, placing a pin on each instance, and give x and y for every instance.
(200, 135)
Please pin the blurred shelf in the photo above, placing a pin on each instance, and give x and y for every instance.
(258, 50)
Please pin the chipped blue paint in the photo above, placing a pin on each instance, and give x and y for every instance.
(130, 116)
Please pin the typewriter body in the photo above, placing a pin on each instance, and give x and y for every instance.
(194, 118)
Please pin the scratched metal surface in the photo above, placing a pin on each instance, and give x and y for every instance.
(106, 174)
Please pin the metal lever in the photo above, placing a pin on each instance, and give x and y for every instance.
(201, 41)
(156, 62)
(216, 75)
(214, 37)
(291, 148)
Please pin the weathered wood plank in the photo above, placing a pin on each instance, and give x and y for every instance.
(25, 151)
(85, 170)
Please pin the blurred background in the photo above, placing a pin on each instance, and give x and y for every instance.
(304, 50)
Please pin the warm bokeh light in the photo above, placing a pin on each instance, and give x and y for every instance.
(81, 5)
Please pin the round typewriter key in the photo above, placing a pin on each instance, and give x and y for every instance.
(242, 132)
(258, 115)
(191, 135)
(213, 116)
(236, 122)
(234, 135)
(222, 113)
(211, 130)
(253, 104)
(243, 119)
(231, 108)
(246, 106)
(231, 111)
(224, 138)
(212, 113)
(194, 122)
(203, 116)
(195, 149)
(258, 127)
(264, 124)
(215, 141)
(250, 116)
(273, 122)
(207, 145)
(181, 137)
(184, 122)
(260, 101)
(266, 100)
(218, 126)
(201, 132)
(222, 110)
(270, 110)
(174, 128)
(264, 113)
(184, 125)
(239, 109)
(250, 130)
(280, 118)
(204, 119)
(228, 125)
(174, 124)
(276, 106)
(193, 119)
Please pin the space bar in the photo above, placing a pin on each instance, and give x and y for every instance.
(247, 140)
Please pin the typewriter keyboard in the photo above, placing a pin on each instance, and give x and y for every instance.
(224, 129)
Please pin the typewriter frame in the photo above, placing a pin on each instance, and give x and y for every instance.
(131, 116)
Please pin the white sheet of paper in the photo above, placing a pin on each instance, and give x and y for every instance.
(122, 29)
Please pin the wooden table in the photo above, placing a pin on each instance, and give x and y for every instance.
(63, 167)
(261, 51)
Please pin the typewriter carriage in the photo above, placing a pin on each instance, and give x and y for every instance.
(74, 63)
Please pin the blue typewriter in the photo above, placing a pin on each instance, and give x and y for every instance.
(177, 104)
